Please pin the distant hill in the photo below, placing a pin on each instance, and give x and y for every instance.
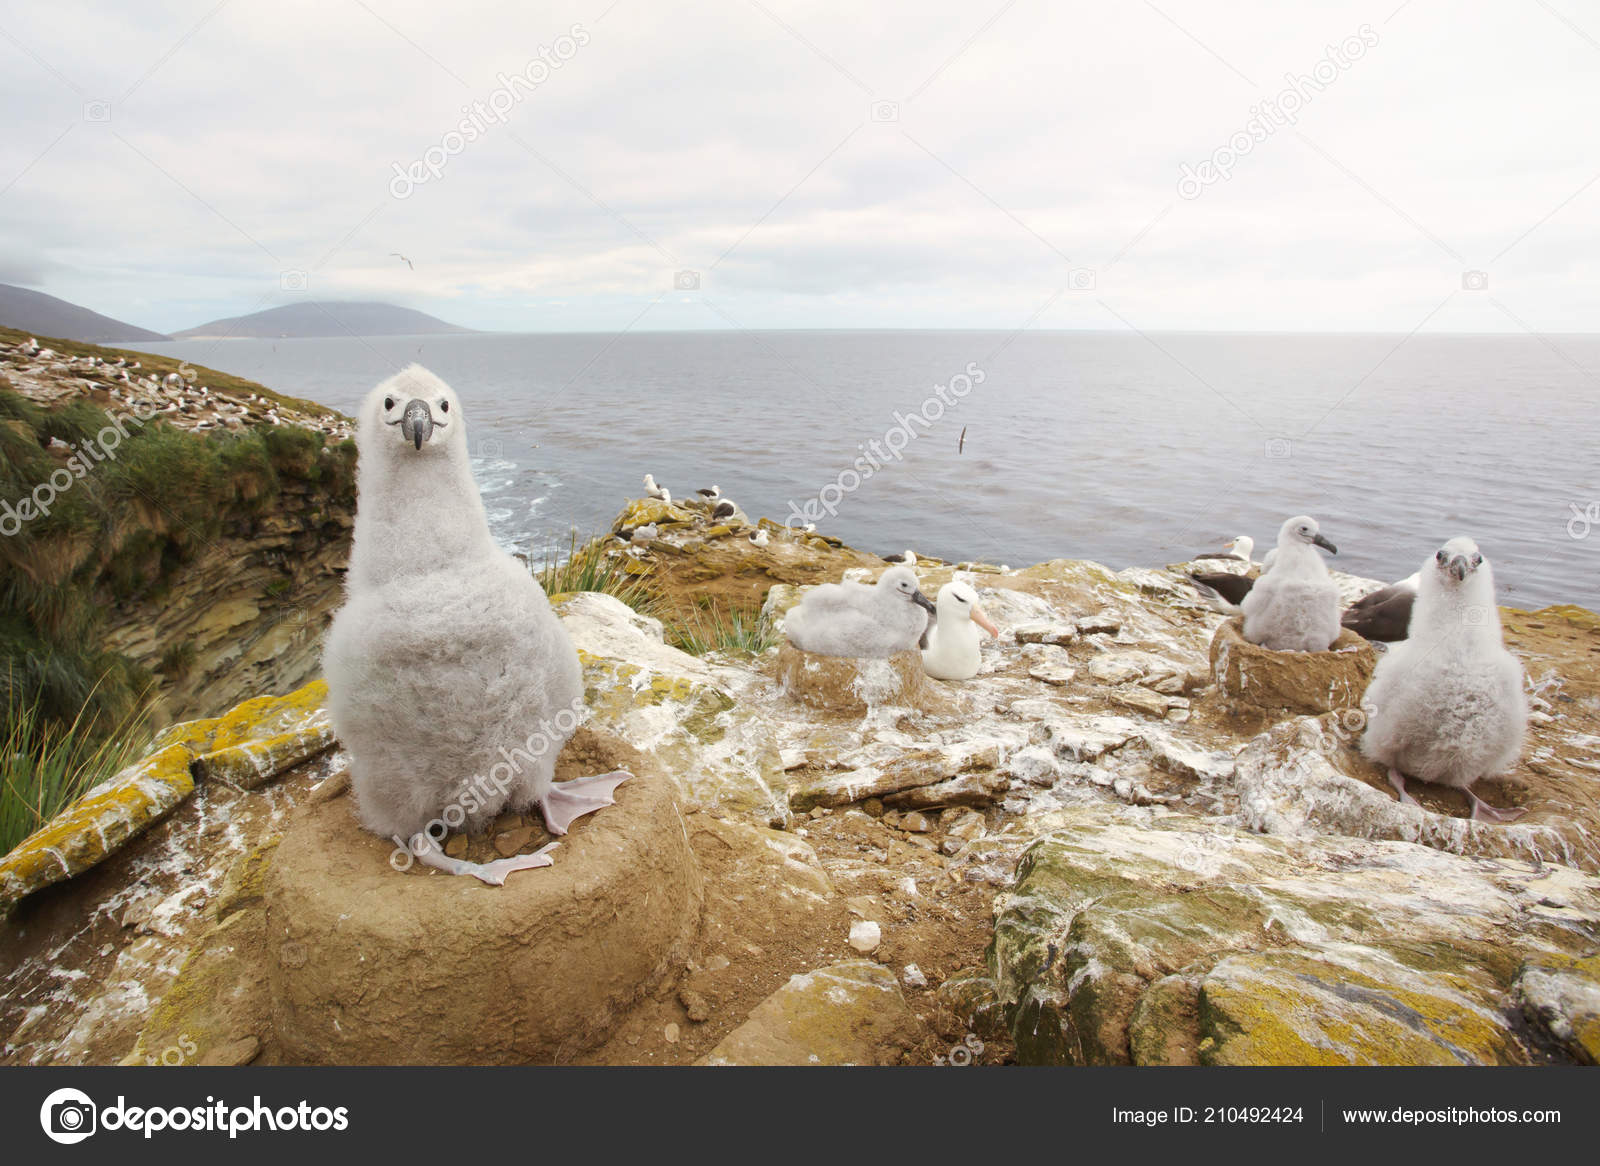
(31, 311)
(324, 319)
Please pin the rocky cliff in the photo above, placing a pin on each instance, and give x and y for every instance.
(1105, 848)
(163, 524)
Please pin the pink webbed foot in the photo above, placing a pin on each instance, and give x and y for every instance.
(494, 873)
(1482, 811)
(1398, 780)
(568, 801)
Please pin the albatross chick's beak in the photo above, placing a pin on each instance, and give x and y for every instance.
(922, 600)
(984, 621)
(1325, 544)
(1459, 567)
(416, 425)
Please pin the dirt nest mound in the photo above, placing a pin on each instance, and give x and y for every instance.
(1305, 682)
(849, 684)
(371, 966)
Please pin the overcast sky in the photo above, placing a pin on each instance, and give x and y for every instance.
(854, 164)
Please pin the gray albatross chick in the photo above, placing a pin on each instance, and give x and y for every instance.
(1446, 704)
(858, 619)
(1294, 607)
(451, 682)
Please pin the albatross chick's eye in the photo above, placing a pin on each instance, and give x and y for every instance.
(444, 406)
(1441, 557)
(388, 403)
(1477, 560)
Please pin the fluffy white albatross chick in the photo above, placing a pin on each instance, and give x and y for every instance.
(1447, 703)
(860, 619)
(1294, 607)
(450, 681)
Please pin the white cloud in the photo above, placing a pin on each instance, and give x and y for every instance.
(1031, 139)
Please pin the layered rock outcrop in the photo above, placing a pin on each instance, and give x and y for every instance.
(1088, 853)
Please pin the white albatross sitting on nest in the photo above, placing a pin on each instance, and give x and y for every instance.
(858, 619)
(1446, 704)
(951, 649)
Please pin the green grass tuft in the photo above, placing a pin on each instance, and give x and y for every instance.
(46, 764)
(587, 567)
(724, 632)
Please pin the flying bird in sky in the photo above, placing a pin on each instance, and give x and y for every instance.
(408, 262)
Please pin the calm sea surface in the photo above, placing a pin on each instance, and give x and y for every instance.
(1115, 447)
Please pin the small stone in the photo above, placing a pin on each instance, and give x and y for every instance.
(671, 1033)
(1045, 633)
(695, 1005)
(862, 906)
(513, 841)
(865, 936)
(818, 812)
(907, 887)
(1056, 674)
(873, 807)
(1103, 623)
(717, 963)
(107, 948)
(456, 846)
(914, 977)
(331, 788)
(915, 822)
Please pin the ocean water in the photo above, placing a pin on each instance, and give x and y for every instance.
(1126, 449)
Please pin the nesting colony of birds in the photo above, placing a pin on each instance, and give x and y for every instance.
(184, 401)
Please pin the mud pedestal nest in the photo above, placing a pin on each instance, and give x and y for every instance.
(1305, 682)
(852, 684)
(369, 965)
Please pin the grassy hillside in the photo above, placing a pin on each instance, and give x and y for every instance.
(123, 530)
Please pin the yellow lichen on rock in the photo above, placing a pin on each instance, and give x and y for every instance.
(97, 824)
(245, 747)
(255, 741)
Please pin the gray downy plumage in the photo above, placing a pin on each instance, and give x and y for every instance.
(1446, 704)
(451, 682)
(857, 619)
(1294, 607)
